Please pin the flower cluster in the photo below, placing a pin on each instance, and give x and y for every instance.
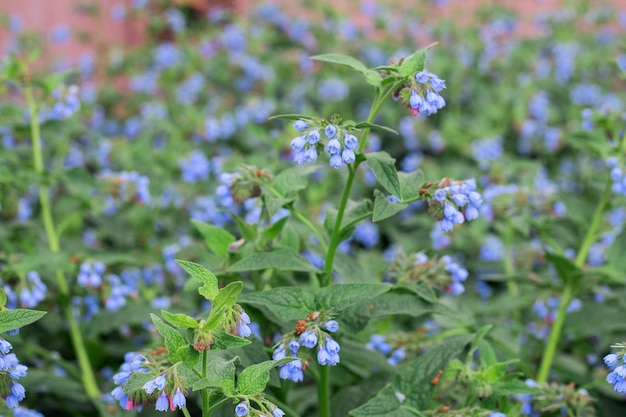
(453, 202)
(67, 103)
(445, 273)
(125, 187)
(341, 144)
(379, 344)
(617, 376)
(91, 274)
(34, 290)
(266, 409)
(421, 93)
(553, 397)
(313, 334)
(165, 389)
(10, 371)
(617, 175)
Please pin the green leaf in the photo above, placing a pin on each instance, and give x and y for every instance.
(341, 59)
(477, 338)
(293, 179)
(372, 77)
(414, 62)
(383, 167)
(413, 385)
(216, 238)
(227, 296)
(220, 374)
(565, 268)
(182, 321)
(363, 125)
(225, 340)
(487, 354)
(282, 259)
(383, 208)
(287, 303)
(217, 314)
(616, 258)
(411, 183)
(254, 378)
(422, 289)
(3, 299)
(209, 288)
(173, 340)
(513, 387)
(290, 117)
(14, 319)
(341, 296)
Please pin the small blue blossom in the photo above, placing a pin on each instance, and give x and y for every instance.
(300, 125)
(330, 131)
(308, 339)
(241, 409)
(331, 325)
(162, 403)
(178, 400)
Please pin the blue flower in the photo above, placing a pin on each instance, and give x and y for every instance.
(294, 345)
(162, 402)
(328, 353)
(157, 384)
(178, 400)
(292, 370)
(348, 156)
(277, 412)
(241, 409)
(611, 360)
(300, 125)
(313, 136)
(330, 131)
(331, 325)
(333, 146)
(350, 141)
(308, 339)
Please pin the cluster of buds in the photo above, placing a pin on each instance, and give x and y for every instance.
(556, 397)
(313, 334)
(444, 273)
(341, 144)
(165, 390)
(243, 185)
(452, 202)
(234, 320)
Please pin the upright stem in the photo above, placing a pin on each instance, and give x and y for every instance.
(87, 374)
(323, 382)
(568, 290)
(206, 411)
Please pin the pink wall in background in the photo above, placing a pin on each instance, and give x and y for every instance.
(102, 31)
(105, 31)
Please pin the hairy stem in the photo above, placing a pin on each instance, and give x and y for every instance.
(568, 291)
(78, 343)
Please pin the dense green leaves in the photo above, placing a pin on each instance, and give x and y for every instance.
(254, 378)
(217, 239)
(174, 342)
(342, 296)
(411, 389)
(287, 303)
(283, 259)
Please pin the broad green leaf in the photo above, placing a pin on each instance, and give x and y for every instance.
(372, 77)
(487, 354)
(293, 179)
(173, 340)
(209, 288)
(413, 63)
(513, 387)
(216, 238)
(287, 303)
(411, 389)
(383, 208)
(411, 183)
(3, 299)
(220, 374)
(225, 340)
(14, 319)
(341, 296)
(282, 259)
(384, 169)
(254, 378)
(182, 321)
(217, 314)
(227, 296)
(422, 289)
(341, 59)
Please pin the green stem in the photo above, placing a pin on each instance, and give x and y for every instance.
(568, 291)
(216, 405)
(323, 392)
(186, 412)
(87, 373)
(206, 410)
